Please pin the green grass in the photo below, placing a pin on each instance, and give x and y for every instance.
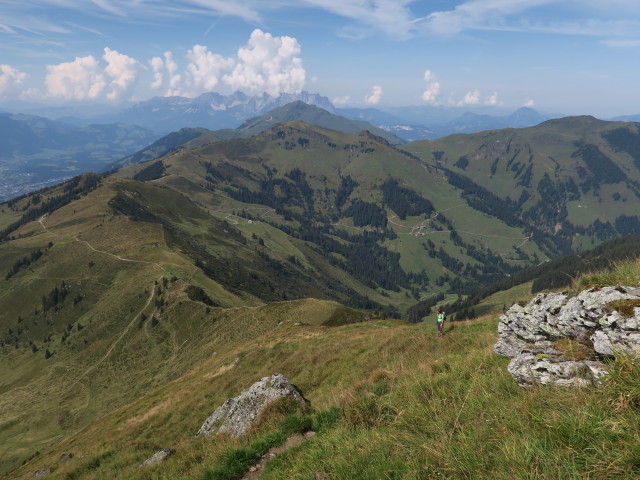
(622, 273)
(498, 302)
(389, 400)
(464, 417)
(150, 364)
(236, 462)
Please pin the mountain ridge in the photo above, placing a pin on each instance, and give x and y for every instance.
(139, 276)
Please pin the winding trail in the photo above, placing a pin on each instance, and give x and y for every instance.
(135, 317)
(116, 341)
(76, 239)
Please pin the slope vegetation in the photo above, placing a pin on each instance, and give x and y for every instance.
(98, 308)
(389, 221)
(576, 178)
(388, 399)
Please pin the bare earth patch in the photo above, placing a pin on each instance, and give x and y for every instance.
(256, 471)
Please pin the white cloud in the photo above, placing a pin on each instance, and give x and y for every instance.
(31, 94)
(123, 70)
(174, 78)
(10, 78)
(268, 64)
(477, 14)
(492, 99)
(433, 87)
(376, 95)
(393, 17)
(397, 18)
(205, 68)
(78, 80)
(86, 79)
(265, 64)
(341, 100)
(157, 66)
(529, 103)
(471, 98)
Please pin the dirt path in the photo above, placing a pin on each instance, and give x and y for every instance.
(76, 239)
(117, 340)
(256, 471)
(135, 317)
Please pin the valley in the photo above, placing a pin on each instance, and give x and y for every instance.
(242, 253)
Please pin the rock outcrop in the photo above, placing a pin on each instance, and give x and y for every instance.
(236, 415)
(563, 340)
(160, 456)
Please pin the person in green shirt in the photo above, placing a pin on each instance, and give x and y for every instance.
(441, 319)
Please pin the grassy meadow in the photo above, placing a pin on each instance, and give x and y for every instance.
(387, 400)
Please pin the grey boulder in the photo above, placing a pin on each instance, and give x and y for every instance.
(529, 335)
(236, 415)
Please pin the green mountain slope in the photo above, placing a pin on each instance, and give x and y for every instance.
(99, 307)
(160, 147)
(387, 400)
(370, 210)
(295, 111)
(300, 111)
(125, 294)
(575, 178)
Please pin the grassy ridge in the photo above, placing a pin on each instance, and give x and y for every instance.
(147, 311)
(410, 405)
(325, 159)
(566, 174)
(127, 324)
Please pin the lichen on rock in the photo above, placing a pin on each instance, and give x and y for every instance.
(530, 335)
(236, 415)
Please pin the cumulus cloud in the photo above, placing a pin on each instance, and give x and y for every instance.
(376, 95)
(268, 64)
(86, 79)
(471, 98)
(342, 100)
(265, 64)
(81, 79)
(174, 77)
(157, 66)
(205, 68)
(529, 103)
(492, 99)
(123, 70)
(433, 87)
(172, 82)
(10, 77)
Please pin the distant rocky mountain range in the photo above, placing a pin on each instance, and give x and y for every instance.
(215, 111)
(209, 110)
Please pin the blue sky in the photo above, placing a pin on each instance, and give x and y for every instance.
(571, 56)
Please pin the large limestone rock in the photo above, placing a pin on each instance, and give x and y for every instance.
(529, 335)
(236, 415)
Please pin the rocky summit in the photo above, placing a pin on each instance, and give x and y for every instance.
(236, 415)
(560, 339)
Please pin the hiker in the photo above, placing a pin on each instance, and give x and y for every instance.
(441, 318)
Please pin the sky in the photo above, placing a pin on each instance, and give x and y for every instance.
(568, 56)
